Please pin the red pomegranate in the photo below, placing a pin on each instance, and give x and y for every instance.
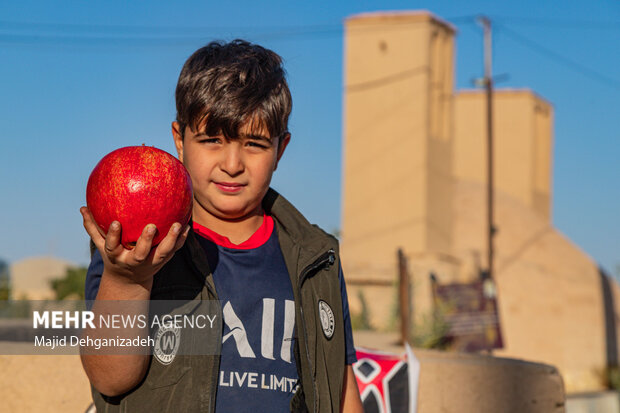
(136, 186)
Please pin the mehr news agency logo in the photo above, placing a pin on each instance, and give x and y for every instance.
(327, 319)
(165, 342)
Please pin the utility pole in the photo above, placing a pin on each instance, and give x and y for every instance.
(488, 84)
(404, 298)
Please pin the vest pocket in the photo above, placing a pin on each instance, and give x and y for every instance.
(164, 390)
(161, 375)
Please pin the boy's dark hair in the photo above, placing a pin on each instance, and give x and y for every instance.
(231, 83)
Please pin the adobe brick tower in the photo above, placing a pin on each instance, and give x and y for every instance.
(397, 174)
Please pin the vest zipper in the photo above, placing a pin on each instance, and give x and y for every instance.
(215, 375)
(327, 258)
(217, 357)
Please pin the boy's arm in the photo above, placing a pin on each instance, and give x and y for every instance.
(350, 400)
(127, 275)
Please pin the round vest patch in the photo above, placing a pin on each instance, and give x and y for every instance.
(327, 319)
(167, 341)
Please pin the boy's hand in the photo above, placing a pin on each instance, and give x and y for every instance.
(141, 263)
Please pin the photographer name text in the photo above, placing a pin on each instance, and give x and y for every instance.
(96, 343)
(88, 319)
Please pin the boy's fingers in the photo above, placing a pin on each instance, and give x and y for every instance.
(168, 245)
(92, 228)
(182, 238)
(113, 239)
(143, 246)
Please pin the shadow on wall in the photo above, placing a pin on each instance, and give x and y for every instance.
(612, 374)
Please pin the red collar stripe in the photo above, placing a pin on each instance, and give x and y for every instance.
(257, 239)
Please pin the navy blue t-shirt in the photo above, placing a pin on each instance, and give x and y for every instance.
(257, 370)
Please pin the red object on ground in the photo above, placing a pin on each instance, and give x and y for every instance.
(388, 383)
(136, 186)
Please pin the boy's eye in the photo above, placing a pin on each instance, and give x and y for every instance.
(256, 145)
(209, 140)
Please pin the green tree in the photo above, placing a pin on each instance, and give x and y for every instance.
(71, 285)
(361, 320)
(5, 281)
(431, 331)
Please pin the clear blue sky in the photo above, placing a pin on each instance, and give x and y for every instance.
(81, 78)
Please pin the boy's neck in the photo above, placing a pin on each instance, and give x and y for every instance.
(237, 231)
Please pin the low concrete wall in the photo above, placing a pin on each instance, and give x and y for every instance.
(602, 402)
(460, 383)
(463, 383)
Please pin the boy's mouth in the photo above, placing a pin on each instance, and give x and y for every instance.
(229, 186)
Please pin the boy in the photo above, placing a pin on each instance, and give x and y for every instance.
(245, 246)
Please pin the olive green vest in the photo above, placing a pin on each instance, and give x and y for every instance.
(189, 383)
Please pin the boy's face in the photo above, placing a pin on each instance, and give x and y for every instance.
(230, 177)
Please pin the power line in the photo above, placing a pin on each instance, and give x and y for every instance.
(555, 23)
(158, 30)
(23, 31)
(567, 62)
(320, 28)
(91, 40)
(61, 33)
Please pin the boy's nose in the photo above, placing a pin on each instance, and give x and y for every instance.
(232, 162)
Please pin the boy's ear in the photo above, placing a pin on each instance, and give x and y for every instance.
(281, 147)
(178, 139)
